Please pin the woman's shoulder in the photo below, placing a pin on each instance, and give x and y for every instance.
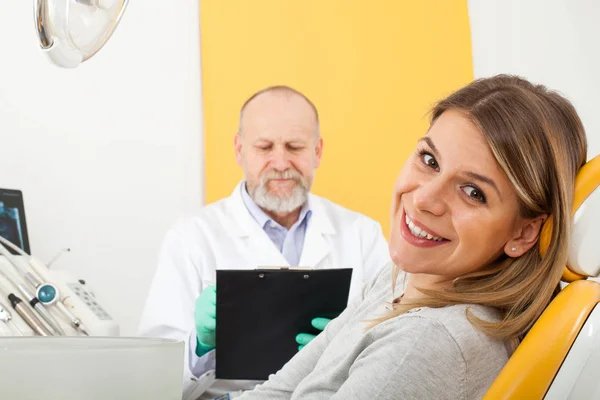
(456, 321)
(459, 321)
(452, 325)
(458, 314)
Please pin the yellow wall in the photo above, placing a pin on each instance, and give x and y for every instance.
(373, 69)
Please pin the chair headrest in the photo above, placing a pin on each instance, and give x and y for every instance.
(584, 251)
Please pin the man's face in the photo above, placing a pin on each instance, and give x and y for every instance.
(279, 150)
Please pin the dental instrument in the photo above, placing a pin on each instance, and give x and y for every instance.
(28, 316)
(6, 317)
(25, 313)
(29, 296)
(46, 292)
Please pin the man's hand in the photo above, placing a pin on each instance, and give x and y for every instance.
(304, 338)
(205, 315)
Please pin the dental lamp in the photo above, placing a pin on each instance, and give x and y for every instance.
(72, 31)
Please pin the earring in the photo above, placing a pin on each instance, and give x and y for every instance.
(514, 248)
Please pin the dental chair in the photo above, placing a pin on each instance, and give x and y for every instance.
(560, 356)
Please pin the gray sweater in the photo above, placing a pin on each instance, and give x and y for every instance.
(426, 353)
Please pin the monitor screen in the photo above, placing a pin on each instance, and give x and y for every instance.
(12, 219)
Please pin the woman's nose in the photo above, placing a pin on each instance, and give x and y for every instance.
(430, 197)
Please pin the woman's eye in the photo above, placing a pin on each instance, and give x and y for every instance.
(430, 161)
(475, 193)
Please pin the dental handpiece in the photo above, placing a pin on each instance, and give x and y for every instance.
(39, 307)
(6, 317)
(42, 287)
(49, 295)
(33, 301)
(28, 316)
(32, 279)
(75, 322)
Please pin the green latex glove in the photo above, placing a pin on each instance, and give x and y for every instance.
(205, 315)
(304, 338)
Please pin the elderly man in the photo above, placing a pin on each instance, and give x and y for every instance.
(270, 219)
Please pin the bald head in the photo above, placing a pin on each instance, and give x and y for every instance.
(280, 103)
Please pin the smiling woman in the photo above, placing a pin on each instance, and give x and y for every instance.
(439, 193)
(499, 159)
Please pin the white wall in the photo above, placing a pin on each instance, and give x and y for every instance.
(554, 42)
(108, 154)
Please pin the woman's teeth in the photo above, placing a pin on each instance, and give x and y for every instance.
(420, 233)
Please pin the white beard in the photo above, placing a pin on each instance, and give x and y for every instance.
(277, 203)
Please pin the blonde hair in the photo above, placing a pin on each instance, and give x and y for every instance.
(539, 141)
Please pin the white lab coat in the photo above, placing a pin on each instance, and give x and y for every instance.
(224, 235)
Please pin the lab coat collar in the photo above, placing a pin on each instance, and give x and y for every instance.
(261, 216)
(316, 243)
(244, 220)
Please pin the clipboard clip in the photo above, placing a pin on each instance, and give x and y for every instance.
(306, 276)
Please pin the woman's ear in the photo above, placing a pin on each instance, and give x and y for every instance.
(526, 236)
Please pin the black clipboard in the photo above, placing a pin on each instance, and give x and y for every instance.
(260, 312)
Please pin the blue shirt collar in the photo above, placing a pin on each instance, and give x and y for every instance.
(262, 218)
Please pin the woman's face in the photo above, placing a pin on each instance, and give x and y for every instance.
(454, 209)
